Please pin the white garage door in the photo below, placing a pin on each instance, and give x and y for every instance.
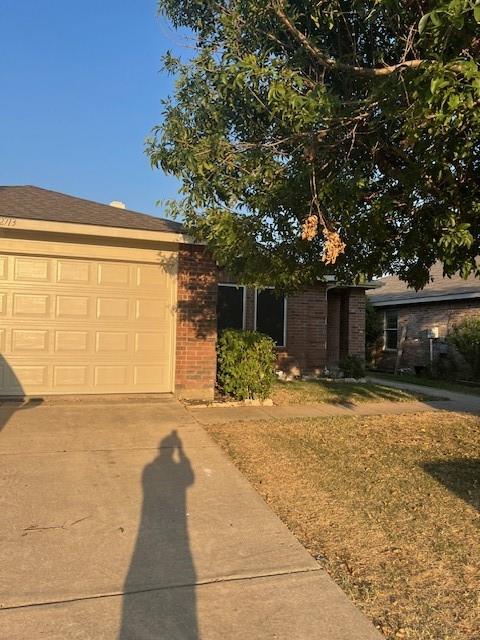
(84, 326)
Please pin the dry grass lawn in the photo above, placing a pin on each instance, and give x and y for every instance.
(388, 505)
(312, 391)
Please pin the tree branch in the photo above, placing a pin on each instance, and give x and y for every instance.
(330, 63)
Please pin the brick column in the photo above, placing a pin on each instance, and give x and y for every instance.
(333, 328)
(316, 337)
(356, 324)
(195, 369)
(352, 323)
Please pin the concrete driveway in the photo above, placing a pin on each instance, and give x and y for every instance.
(122, 520)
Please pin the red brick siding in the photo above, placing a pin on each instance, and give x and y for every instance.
(356, 323)
(195, 369)
(305, 350)
(346, 324)
(334, 300)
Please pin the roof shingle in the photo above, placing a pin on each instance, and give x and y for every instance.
(35, 203)
(392, 289)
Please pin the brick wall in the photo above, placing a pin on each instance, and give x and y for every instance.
(346, 324)
(419, 318)
(195, 370)
(334, 300)
(306, 348)
(355, 331)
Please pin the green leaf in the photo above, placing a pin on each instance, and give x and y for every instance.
(437, 83)
(476, 12)
(423, 22)
(436, 19)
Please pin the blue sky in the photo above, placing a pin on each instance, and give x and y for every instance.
(80, 89)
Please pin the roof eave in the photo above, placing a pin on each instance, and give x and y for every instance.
(72, 228)
(397, 302)
(333, 284)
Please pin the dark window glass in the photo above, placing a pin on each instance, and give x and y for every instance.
(391, 330)
(229, 308)
(391, 320)
(271, 315)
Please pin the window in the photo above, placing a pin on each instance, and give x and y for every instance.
(270, 315)
(390, 331)
(230, 307)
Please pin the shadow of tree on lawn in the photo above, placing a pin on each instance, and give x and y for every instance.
(460, 476)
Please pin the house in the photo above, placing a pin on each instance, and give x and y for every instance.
(424, 318)
(313, 329)
(98, 299)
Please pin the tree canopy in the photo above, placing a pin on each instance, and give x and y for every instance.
(326, 136)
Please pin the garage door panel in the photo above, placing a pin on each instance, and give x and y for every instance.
(144, 374)
(151, 342)
(147, 275)
(108, 375)
(74, 272)
(111, 342)
(32, 269)
(28, 340)
(148, 309)
(3, 267)
(113, 308)
(31, 305)
(113, 274)
(71, 341)
(85, 326)
(29, 377)
(73, 307)
(70, 377)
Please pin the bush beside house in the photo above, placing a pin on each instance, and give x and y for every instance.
(466, 339)
(246, 364)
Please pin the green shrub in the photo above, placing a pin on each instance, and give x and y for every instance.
(352, 366)
(466, 338)
(246, 364)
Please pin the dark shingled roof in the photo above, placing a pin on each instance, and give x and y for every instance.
(35, 203)
(392, 289)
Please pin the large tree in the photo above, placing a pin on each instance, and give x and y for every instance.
(312, 132)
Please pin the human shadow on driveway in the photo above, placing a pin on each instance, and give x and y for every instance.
(13, 395)
(159, 599)
(460, 476)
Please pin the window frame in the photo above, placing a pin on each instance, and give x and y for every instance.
(244, 299)
(255, 309)
(386, 329)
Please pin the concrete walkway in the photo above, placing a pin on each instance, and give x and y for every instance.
(126, 522)
(462, 402)
(444, 401)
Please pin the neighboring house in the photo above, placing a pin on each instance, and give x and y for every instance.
(424, 317)
(98, 299)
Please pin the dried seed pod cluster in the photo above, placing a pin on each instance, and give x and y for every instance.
(310, 227)
(333, 246)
